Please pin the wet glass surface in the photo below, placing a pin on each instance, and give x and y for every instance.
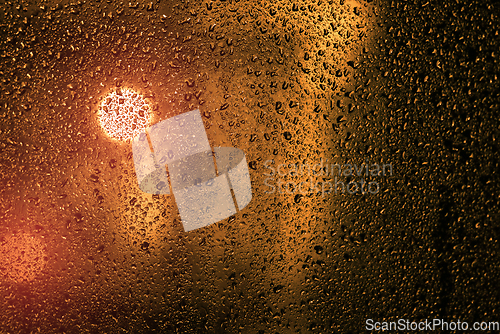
(370, 131)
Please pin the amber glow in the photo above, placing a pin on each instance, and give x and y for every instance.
(123, 114)
(22, 257)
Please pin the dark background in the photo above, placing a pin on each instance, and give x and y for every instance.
(418, 89)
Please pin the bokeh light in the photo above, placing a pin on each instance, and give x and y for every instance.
(22, 257)
(123, 114)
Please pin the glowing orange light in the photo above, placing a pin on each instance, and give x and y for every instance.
(22, 257)
(123, 114)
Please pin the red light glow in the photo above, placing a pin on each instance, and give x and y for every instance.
(124, 114)
(22, 257)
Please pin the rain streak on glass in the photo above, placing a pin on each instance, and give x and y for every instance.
(123, 114)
